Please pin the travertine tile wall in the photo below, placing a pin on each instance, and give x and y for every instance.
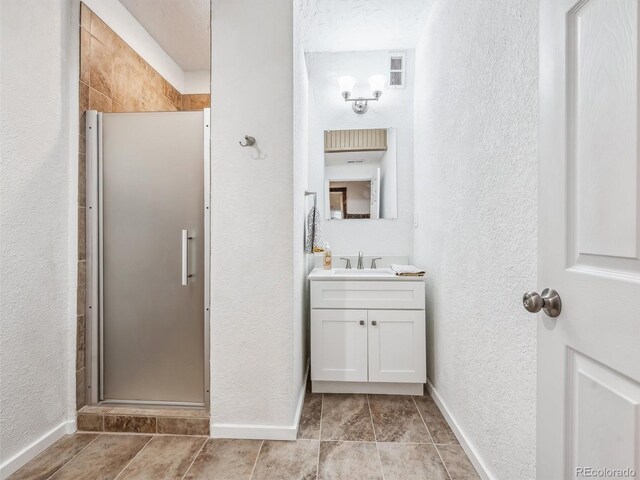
(113, 78)
(196, 101)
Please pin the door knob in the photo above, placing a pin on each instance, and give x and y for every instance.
(549, 301)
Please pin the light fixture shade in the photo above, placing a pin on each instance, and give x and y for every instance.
(346, 84)
(377, 82)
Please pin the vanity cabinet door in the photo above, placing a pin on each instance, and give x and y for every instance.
(339, 345)
(397, 350)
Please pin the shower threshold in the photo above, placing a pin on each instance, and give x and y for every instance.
(141, 418)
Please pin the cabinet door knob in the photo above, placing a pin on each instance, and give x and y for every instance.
(374, 323)
(361, 322)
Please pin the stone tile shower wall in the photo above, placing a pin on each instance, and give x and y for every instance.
(195, 101)
(113, 78)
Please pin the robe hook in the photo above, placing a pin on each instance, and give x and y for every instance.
(250, 141)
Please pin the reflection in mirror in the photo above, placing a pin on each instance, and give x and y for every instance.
(360, 174)
(359, 195)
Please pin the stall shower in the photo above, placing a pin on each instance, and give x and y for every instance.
(147, 265)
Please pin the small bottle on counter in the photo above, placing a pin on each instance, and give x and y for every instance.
(327, 257)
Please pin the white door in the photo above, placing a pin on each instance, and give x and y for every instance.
(397, 346)
(375, 196)
(339, 345)
(588, 417)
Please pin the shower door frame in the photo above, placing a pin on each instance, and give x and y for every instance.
(93, 336)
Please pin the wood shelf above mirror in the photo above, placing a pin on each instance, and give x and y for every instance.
(355, 140)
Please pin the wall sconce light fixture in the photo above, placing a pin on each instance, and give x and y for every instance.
(361, 105)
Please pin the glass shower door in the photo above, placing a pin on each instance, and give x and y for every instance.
(152, 258)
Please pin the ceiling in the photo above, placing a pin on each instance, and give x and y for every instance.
(181, 28)
(356, 25)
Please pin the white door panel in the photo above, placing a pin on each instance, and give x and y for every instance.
(339, 345)
(608, 438)
(397, 346)
(589, 238)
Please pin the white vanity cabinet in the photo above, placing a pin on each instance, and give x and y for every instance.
(367, 334)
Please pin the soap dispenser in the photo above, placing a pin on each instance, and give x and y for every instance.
(327, 257)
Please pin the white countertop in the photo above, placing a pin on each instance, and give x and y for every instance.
(360, 274)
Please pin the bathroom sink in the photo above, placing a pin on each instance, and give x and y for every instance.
(363, 272)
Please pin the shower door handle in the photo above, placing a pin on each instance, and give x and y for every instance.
(185, 257)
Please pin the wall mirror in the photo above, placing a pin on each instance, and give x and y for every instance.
(360, 174)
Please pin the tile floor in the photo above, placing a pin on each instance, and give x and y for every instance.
(340, 437)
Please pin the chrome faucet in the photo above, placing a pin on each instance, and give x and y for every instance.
(360, 263)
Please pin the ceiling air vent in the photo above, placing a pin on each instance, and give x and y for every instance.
(396, 70)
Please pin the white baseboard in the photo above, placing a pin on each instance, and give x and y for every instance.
(301, 394)
(264, 432)
(30, 452)
(253, 432)
(479, 464)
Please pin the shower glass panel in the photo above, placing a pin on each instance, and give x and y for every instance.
(152, 269)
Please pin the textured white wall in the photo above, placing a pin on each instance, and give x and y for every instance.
(197, 81)
(254, 276)
(328, 111)
(475, 191)
(37, 223)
